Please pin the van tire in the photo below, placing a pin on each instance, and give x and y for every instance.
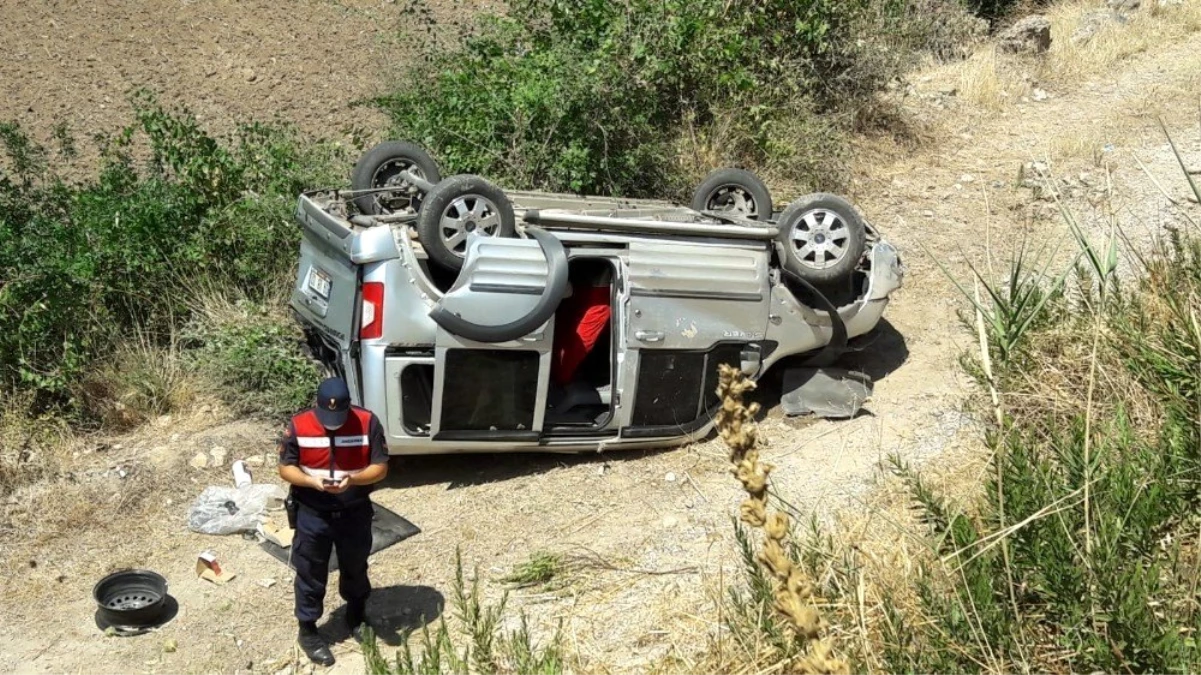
(822, 237)
(381, 163)
(453, 209)
(732, 188)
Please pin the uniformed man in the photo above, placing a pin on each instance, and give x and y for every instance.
(332, 454)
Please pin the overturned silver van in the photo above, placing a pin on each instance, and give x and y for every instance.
(446, 303)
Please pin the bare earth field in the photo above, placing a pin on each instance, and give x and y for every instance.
(649, 534)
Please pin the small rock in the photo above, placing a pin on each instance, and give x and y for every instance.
(1090, 24)
(967, 178)
(254, 460)
(169, 646)
(1030, 35)
(122, 473)
(928, 213)
(118, 446)
(200, 461)
(219, 455)
(670, 477)
(174, 438)
(600, 471)
(1039, 95)
(671, 521)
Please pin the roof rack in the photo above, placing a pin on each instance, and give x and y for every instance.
(555, 218)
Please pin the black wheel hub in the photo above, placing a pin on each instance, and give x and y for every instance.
(131, 601)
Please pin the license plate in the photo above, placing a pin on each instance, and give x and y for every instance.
(319, 283)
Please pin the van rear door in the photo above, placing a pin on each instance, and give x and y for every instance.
(326, 294)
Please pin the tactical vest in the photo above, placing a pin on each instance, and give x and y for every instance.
(351, 451)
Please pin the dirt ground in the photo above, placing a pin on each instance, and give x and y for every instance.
(649, 532)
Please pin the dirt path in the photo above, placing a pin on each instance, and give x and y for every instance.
(650, 532)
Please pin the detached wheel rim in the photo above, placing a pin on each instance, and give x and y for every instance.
(820, 239)
(388, 174)
(732, 199)
(467, 214)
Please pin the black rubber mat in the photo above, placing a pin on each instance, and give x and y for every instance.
(387, 528)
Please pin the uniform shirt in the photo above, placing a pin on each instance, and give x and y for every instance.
(354, 494)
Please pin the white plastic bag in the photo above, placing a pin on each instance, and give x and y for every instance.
(226, 510)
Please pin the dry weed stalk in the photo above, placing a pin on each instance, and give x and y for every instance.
(793, 590)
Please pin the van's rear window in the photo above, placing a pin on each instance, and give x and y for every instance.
(489, 389)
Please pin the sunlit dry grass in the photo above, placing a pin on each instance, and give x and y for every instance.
(992, 80)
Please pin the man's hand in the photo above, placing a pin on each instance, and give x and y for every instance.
(337, 488)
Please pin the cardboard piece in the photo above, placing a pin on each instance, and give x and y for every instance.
(209, 569)
(280, 536)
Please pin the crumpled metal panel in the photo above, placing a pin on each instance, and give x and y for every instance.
(833, 393)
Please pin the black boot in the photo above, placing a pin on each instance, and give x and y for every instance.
(356, 620)
(313, 645)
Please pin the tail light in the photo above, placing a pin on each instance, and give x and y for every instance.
(372, 325)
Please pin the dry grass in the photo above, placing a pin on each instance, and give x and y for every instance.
(139, 382)
(992, 81)
(30, 448)
(1070, 61)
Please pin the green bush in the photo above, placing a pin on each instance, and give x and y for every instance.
(596, 96)
(85, 262)
(255, 357)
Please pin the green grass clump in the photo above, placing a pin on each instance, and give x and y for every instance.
(253, 353)
(541, 568)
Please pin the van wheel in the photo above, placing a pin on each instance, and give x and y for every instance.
(457, 207)
(735, 191)
(822, 238)
(381, 166)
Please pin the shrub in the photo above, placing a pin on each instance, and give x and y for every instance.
(85, 262)
(255, 357)
(593, 96)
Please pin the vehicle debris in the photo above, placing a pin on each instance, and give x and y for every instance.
(209, 569)
(828, 392)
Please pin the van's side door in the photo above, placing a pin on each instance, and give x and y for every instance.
(692, 306)
(494, 340)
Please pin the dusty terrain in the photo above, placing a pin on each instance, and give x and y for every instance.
(650, 532)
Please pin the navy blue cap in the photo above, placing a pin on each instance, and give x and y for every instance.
(333, 403)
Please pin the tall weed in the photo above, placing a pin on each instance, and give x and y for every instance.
(482, 644)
